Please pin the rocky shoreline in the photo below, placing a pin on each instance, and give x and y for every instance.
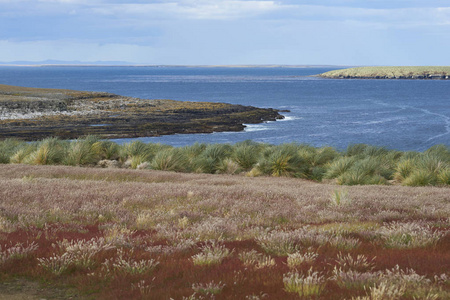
(400, 72)
(34, 114)
(423, 77)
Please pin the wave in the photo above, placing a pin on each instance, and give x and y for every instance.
(257, 127)
(289, 118)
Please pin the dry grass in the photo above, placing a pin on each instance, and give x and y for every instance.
(116, 234)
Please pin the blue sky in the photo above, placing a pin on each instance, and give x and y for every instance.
(212, 32)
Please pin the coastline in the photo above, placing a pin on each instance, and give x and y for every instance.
(33, 114)
(401, 72)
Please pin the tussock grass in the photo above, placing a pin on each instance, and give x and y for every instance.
(246, 155)
(50, 151)
(83, 152)
(359, 164)
(170, 160)
(8, 148)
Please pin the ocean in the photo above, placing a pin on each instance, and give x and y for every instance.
(397, 114)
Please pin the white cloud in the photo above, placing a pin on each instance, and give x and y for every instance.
(229, 10)
(215, 31)
(381, 18)
(70, 1)
(219, 9)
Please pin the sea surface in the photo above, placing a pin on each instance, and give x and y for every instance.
(397, 114)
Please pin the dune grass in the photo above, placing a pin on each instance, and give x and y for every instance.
(146, 234)
(359, 164)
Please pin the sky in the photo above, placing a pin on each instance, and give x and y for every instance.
(227, 32)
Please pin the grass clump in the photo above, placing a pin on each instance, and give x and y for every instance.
(428, 168)
(135, 153)
(296, 259)
(83, 152)
(20, 155)
(170, 159)
(8, 148)
(359, 164)
(340, 198)
(283, 160)
(211, 254)
(255, 259)
(50, 151)
(443, 176)
(311, 284)
(246, 154)
(409, 235)
(210, 160)
(339, 166)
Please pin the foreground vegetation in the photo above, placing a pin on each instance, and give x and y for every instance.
(358, 165)
(423, 72)
(144, 234)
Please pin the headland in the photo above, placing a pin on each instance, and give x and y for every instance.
(36, 113)
(405, 72)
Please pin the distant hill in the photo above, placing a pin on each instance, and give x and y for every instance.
(422, 72)
(125, 63)
(63, 62)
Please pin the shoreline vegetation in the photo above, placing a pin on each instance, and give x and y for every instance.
(35, 113)
(406, 72)
(359, 164)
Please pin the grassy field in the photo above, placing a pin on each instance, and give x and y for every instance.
(422, 72)
(146, 234)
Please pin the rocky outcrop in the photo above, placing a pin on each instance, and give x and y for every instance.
(34, 114)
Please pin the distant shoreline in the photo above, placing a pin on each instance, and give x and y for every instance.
(166, 66)
(401, 72)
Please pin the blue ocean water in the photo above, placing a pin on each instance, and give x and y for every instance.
(398, 114)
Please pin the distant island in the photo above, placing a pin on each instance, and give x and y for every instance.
(61, 63)
(34, 113)
(423, 72)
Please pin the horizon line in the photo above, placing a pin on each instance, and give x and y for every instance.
(31, 64)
